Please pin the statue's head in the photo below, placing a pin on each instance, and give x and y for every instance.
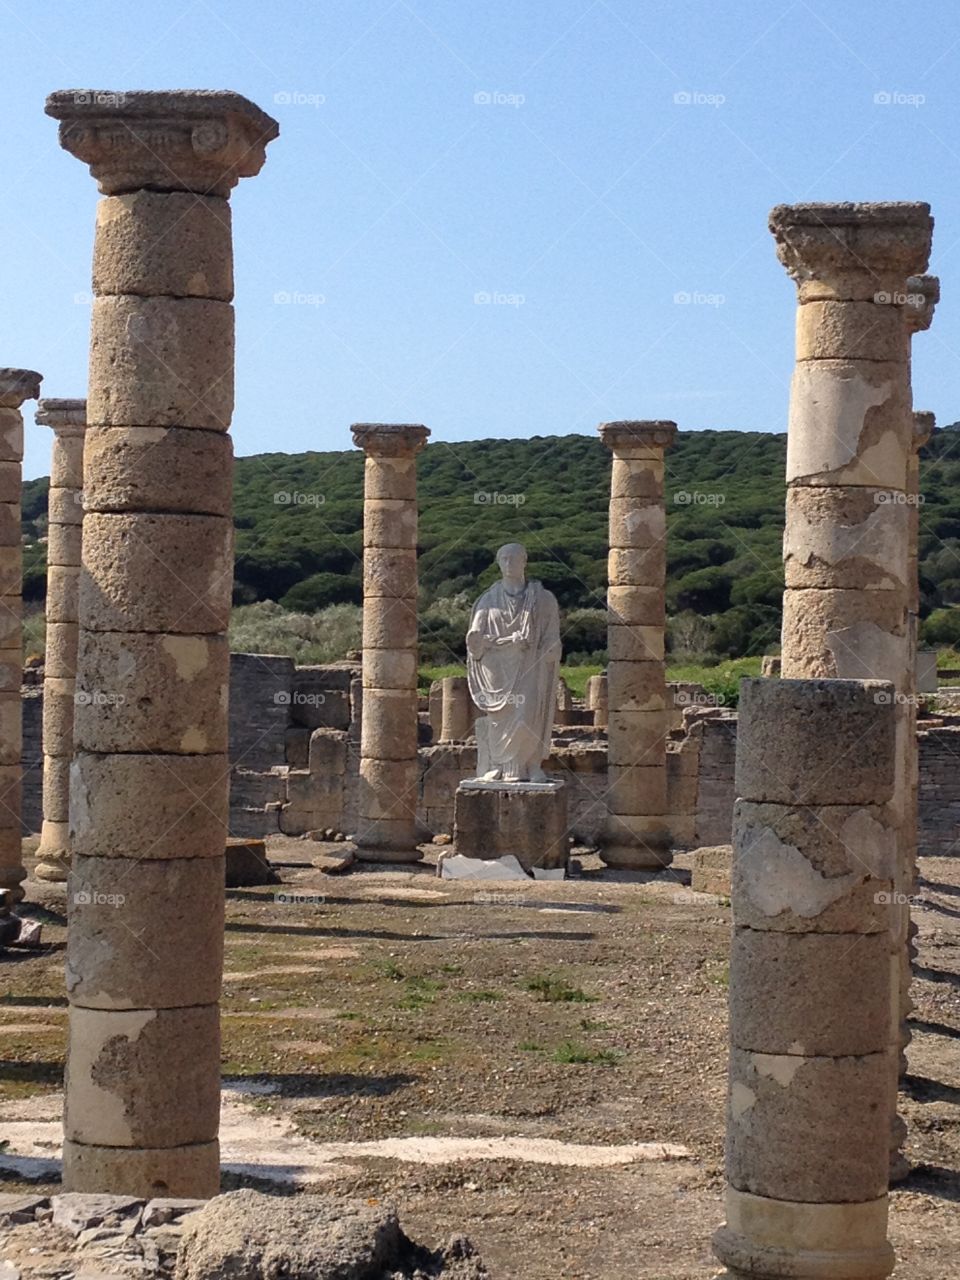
(512, 560)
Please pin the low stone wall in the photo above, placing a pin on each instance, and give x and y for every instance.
(295, 752)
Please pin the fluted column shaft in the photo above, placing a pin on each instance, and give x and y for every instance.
(148, 789)
(16, 386)
(636, 833)
(811, 984)
(68, 420)
(387, 802)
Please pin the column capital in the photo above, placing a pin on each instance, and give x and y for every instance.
(923, 294)
(924, 425)
(17, 385)
(853, 250)
(389, 439)
(649, 434)
(66, 417)
(202, 141)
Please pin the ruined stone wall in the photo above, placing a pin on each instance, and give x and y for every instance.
(939, 828)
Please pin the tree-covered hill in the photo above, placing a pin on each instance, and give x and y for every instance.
(299, 542)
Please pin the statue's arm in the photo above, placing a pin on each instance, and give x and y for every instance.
(478, 642)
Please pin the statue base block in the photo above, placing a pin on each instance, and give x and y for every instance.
(525, 819)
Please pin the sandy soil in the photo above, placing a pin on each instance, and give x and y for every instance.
(385, 1007)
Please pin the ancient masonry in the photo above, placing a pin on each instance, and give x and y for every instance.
(387, 805)
(923, 294)
(850, 439)
(68, 420)
(811, 985)
(16, 386)
(637, 833)
(148, 789)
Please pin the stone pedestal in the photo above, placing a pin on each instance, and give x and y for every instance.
(849, 444)
(389, 771)
(527, 820)
(16, 386)
(637, 831)
(811, 984)
(68, 420)
(148, 787)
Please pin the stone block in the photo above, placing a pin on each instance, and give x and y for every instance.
(188, 561)
(389, 623)
(635, 567)
(634, 644)
(809, 1129)
(828, 741)
(527, 821)
(711, 871)
(145, 934)
(190, 1170)
(389, 724)
(163, 243)
(789, 993)
(161, 362)
(635, 686)
(391, 478)
(151, 692)
(392, 669)
(143, 1077)
(848, 331)
(389, 573)
(853, 539)
(148, 806)
(390, 522)
(148, 469)
(822, 868)
(246, 863)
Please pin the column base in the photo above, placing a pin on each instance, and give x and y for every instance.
(53, 853)
(185, 1173)
(765, 1239)
(636, 844)
(387, 840)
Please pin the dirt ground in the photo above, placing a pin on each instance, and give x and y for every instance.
(390, 1004)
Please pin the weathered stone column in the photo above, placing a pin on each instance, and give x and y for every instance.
(636, 833)
(811, 1090)
(16, 385)
(457, 712)
(148, 789)
(387, 825)
(850, 438)
(68, 419)
(597, 699)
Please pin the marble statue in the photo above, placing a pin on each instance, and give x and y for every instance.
(513, 657)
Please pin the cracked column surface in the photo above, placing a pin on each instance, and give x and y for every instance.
(68, 421)
(849, 443)
(148, 788)
(16, 386)
(636, 833)
(810, 1090)
(389, 772)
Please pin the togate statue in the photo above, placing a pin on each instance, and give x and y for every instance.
(513, 655)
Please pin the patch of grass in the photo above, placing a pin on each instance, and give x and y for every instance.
(592, 1024)
(480, 997)
(348, 1015)
(453, 969)
(419, 992)
(527, 1046)
(721, 976)
(577, 1054)
(552, 989)
(388, 968)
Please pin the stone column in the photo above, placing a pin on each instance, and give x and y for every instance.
(457, 716)
(850, 438)
(68, 419)
(636, 833)
(148, 789)
(597, 700)
(387, 817)
(16, 385)
(811, 1091)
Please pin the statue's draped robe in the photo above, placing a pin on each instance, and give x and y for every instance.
(514, 685)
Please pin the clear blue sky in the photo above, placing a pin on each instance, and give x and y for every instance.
(580, 196)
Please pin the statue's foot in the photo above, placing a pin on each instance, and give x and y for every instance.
(537, 775)
(492, 775)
